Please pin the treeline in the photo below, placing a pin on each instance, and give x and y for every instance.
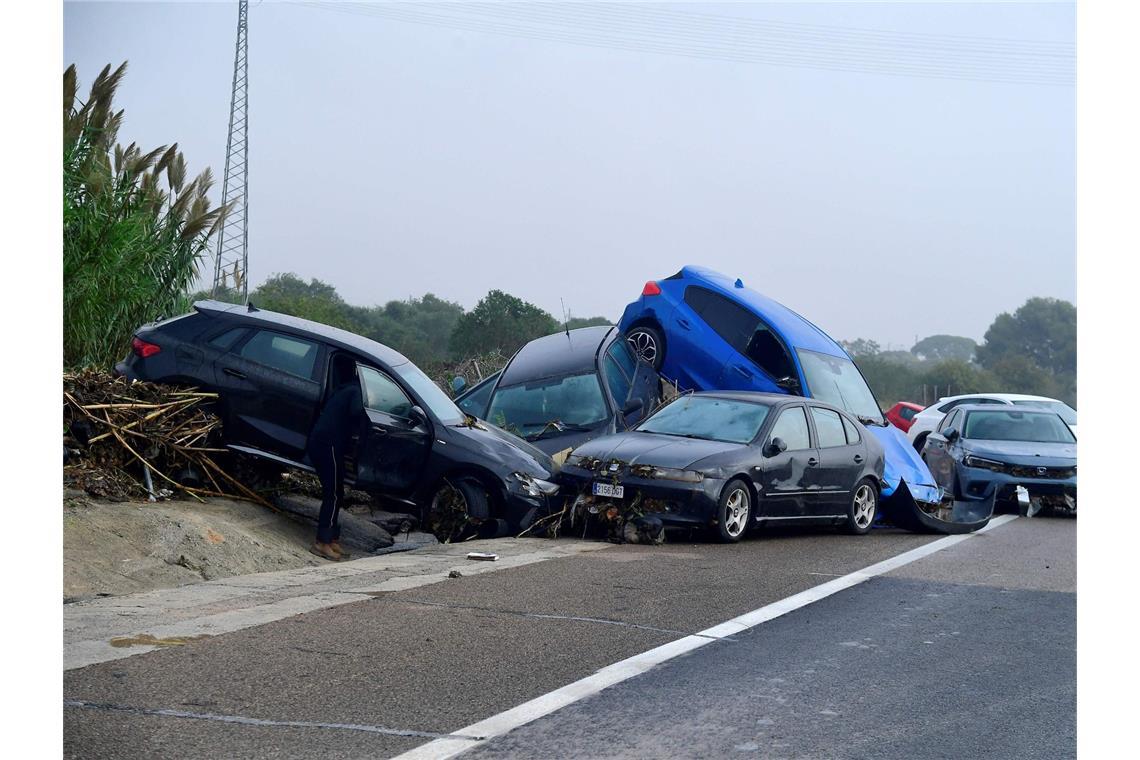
(430, 331)
(1033, 350)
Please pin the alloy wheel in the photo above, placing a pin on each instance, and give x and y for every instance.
(864, 508)
(644, 345)
(736, 512)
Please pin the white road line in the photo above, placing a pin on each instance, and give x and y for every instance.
(497, 725)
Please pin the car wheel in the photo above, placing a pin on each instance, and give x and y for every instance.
(457, 509)
(734, 511)
(648, 345)
(861, 510)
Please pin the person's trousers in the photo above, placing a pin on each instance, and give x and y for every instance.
(328, 461)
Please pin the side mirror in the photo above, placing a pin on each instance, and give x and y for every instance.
(775, 446)
(417, 416)
(458, 383)
(632, 406)
(950, 434)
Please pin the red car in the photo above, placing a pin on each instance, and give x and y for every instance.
(901, 415)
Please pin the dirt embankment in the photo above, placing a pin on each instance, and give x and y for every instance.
(112, 548)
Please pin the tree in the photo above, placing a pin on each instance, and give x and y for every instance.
(500, 322)
(315, 300)
(955, 377)
(860, 347)
(130, 248)
(575, 322)
(1044, 330)
(939, 348)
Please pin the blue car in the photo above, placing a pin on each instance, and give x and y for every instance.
(707, 332)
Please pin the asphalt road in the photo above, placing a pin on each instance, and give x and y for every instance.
(849, 676)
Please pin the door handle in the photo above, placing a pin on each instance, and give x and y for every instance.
(813, 462)
(741, 370)
(234, 373)
(858, 459)
(684, 323)
(379, 430)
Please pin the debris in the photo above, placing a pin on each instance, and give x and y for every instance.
(486, 556)
(455, 574)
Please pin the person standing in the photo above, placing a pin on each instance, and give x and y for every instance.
(327, 445)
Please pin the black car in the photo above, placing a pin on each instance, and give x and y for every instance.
(733, 460)
(561, 390)
(986, 453)
(272, 372)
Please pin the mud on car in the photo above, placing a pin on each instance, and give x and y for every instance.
(272, 372)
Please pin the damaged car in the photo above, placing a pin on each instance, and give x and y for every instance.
(272, 372)
(733, 460)
(1024, 458)
(561, 390)
(708, 332)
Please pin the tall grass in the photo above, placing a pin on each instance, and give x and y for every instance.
(134, 231)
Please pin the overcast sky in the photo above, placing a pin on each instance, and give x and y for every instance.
(888, 170)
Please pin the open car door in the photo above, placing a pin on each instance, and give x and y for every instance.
(395, 442)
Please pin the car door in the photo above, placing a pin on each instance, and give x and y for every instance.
(784, 476)
(937, 451)
(840, 464)
(629, 380)
(393, 448)
(476, 400)
(269, 390)
(701, 345)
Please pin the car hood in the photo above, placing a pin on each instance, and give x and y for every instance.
(902, 462)
(512, 452)
(1024, 452)
(653, 448)
(552, 444)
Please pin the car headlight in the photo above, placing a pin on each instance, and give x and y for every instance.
(670, 473)
(532, 486)
(983, 463)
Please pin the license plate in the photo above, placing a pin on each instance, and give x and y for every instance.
(609, 491)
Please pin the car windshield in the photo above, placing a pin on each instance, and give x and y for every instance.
(1068, 414)
(1033, 427)
(715, 419)
(549, 405)
(837, 381)
(430, 394)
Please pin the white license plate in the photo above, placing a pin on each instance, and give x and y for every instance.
(609, 491)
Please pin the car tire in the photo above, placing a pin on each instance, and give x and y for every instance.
(457, 509)
(648, 345)
(734, 511)
(862, 507)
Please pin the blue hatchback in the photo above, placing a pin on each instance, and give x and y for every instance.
(705, 331)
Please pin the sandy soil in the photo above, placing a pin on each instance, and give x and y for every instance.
(112, 548)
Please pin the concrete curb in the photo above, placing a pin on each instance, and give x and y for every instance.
(217, 607)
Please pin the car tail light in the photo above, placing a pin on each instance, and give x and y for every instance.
(651, 289)
(144, 349)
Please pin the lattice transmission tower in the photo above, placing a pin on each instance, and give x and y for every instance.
(231, 263)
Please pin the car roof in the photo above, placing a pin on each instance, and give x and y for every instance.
(563, 353)
(1006, 409)
(250, 315)
(1002, 396)
(761, 397)
(796, 330)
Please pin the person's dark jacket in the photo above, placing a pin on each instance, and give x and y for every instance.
(339, 418)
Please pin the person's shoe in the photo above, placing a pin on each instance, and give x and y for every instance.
(326, 551)
(336, 547)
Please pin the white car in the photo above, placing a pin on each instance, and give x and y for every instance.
(927, 420)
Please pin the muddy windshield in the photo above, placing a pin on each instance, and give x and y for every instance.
(837, 381)
(570, 402)
(711, 418)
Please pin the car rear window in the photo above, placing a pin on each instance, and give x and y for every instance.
(907, 413)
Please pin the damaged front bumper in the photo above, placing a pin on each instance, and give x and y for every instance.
(936, 515)
(676, 502)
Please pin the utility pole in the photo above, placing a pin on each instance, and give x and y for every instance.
(231, 264)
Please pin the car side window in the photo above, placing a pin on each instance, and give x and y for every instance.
(792, 428)
(769, 353)
(907, 414)
(729, 320)
(287, 353)
(225, 341)
(828, 428)
(618, 383)
(949, 420)
(619, 349)
(382, 394)
(476, 402)
(851, 431)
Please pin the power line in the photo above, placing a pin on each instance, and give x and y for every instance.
(669, 32)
